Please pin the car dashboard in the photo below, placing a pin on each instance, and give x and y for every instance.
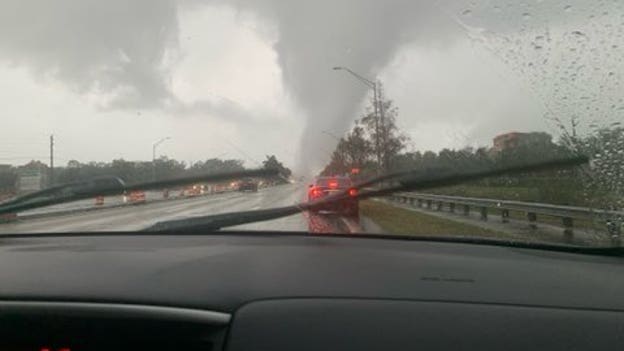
(280, 291)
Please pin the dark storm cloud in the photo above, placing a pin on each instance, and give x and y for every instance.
(314, 36)
(125, 50)
(113, 47)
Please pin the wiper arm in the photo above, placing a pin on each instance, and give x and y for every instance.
(414, 180)
(105, 186)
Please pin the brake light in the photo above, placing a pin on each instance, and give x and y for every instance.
(316, 192)
(353, 192)
(333, 184)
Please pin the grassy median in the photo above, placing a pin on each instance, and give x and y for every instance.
(400, 221)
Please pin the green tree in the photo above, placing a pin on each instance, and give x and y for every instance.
(167, 168)
(271, 162)
(356, 149)
(387, 141)
(8, 178)
(353, 151)
(338, 163)
(215, 165)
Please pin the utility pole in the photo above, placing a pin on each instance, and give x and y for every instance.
(51, 181)
(377, 107)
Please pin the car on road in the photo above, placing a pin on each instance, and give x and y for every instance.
(134, 197)
(193, 191)
(248, 184)
(327, 186)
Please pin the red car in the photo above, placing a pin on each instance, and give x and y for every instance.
(327, 186)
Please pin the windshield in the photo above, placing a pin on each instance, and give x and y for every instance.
(327, 93)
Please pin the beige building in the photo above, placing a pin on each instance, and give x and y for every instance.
(513, 140)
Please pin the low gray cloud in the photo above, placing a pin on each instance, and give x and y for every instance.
(112, 47)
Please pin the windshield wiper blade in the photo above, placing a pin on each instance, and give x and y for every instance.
(415, 180)
(218, 221)
(106, 186)
(105, 183)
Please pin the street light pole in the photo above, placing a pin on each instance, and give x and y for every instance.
(154, 146)
(377, 108)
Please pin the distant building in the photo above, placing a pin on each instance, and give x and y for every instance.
(514, 140)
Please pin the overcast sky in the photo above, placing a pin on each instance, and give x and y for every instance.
(246, 78)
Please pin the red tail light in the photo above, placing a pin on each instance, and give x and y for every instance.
(353, 192)
(316, 192)
(333, 184)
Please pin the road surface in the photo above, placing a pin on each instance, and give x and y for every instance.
(136, 217)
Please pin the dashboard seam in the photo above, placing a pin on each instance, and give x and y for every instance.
(125, 309)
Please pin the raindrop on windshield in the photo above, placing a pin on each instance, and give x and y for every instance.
(574, 64)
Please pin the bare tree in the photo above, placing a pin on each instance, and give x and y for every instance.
(387, 141)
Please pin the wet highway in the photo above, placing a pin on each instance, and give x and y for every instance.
(137, 217)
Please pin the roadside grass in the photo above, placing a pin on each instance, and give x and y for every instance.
(400, 221)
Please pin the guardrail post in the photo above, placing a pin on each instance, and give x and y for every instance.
(429, 204)
(484, 214)
(439, 206)
(532, 217)
(419, 203)
(614, 228)
(505, 216)
(466, 210)
(452, 207)
(568, 223)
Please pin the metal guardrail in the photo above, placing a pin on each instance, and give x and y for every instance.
(612, 219)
